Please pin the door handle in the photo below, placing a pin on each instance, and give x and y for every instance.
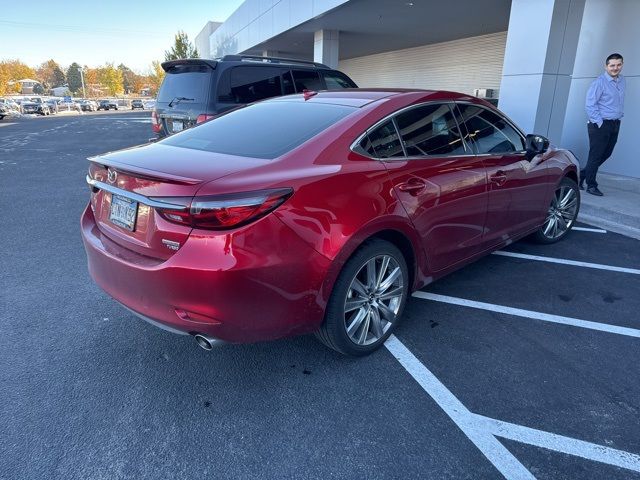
(499, 178)
(413, 186)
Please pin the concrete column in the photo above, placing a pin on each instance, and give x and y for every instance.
(542, 41)
(325, 47)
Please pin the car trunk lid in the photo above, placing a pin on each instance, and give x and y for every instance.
(131, 187)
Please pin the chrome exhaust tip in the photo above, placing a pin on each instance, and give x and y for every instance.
(205, 342)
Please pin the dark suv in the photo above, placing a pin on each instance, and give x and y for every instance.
(194, 90)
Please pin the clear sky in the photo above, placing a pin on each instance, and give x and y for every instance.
(94, 32)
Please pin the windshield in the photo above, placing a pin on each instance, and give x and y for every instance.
(264, 130)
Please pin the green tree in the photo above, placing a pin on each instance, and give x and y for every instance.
(74, 80)
(111, 78)
(182, 48)
(38, 89)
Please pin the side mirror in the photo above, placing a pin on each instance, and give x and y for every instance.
(535, 145)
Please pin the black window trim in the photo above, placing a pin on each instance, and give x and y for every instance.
(354, 146)
(503, 117)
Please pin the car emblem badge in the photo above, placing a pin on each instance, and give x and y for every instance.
(171, 245)
(112, 175)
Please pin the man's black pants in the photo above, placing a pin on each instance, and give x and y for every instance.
(601, 143)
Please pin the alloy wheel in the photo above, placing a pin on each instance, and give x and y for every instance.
(373, 300)
(562, 212)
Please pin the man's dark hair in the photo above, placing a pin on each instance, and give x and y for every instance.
(614, 56)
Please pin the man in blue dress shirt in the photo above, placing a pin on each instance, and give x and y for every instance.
(605, 103)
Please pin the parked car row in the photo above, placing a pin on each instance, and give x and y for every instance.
(9, 107)
(52, 105)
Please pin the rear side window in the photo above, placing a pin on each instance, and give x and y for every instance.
(430, 130)
(188, 81)
(249, 84)
(263, 130)
(307, 80)
(337, 80)
(384, 141)
(489, 132)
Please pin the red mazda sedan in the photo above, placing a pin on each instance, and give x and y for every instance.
(317, 213)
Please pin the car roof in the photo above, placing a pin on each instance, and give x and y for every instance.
(359, 97)
(253, 60)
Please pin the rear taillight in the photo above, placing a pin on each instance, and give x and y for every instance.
(222, 212)
(203, 117)
(155, 122)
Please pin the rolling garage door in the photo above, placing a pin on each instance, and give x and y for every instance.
(460, 65)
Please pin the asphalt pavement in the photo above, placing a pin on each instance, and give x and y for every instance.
(524, 364)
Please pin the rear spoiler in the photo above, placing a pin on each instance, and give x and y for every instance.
(140, 171)
(171, 64)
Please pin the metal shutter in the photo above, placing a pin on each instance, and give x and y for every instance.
(460, 65)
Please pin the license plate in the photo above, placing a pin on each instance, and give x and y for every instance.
(177, 126)
(123, 212)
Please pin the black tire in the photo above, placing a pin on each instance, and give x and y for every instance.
(562, 214)
(373, 319)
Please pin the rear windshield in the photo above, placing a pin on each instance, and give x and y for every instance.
(264, 130)
(187, 81)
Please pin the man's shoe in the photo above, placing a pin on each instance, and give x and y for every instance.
(595, 191)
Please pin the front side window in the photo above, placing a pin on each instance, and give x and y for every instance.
(490, 133)
(430, 130)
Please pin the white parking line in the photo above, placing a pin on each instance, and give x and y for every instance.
(482, 430)
(559, 443)
(584, 229)
(497, 454)
(597, 266)
(602, 327)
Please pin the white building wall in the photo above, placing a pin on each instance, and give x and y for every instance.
(202, 39)
(460, 65)
(256, 21)
(607, 27)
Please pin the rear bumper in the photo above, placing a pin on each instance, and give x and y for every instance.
(258, 283)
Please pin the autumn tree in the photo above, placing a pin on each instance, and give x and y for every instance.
(139, 83)
(155, 77)
(111, 78)
(51, 74)
(182, 48)
(10, 72)
(4, 79)
(91, 81)
(128, 78)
